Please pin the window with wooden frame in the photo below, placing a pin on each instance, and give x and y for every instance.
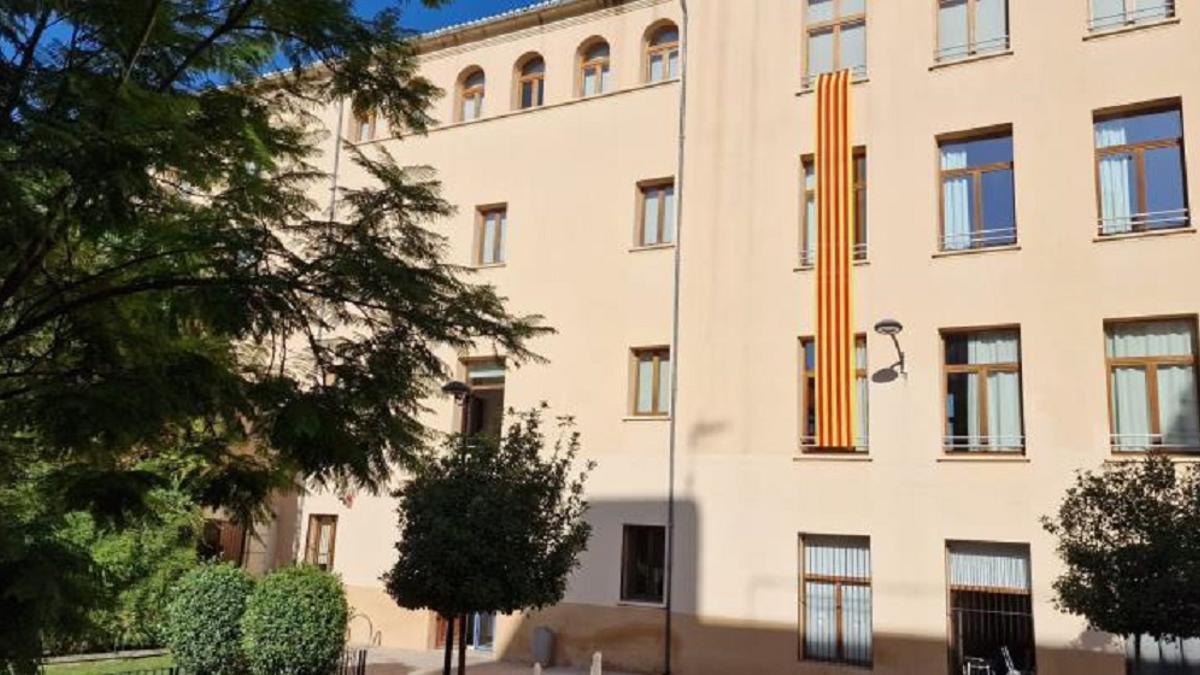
(595, 76)
(1110, 14)
(651, 381)
(1141, 181)
(808, 394)
(991, 608)
(322, 537)
(808, 214)
(643, 563)
(969, 28)
(835, 38)
(362, 127)
(835, 599)
(978, 206)
(656, 212)
(662, 53)
(531, 82)
(982, 390)
(491, 226)
(470, 94)
(1152, 386)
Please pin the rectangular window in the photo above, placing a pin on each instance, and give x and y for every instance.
(651, 381)
(656, 213)
(808, 214)
(991, 608)
(1140, 171)
(322, 535)
(983, 391)
(1152, 384)
(969, 28)
(362, 128)
(643, 563)
(491, 232)
(978, 201)
(808, 393)
(1109, 14)
(483, 411)
(836, 599)
(836, 38)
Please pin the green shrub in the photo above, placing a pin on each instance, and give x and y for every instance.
(203, 626)
(295, 623)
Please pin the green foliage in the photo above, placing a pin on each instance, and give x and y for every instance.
(295, 623)
(491, 525)
(1130, 538)
(170, 272)
(204, 619)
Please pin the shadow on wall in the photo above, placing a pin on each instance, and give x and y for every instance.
(631, 637)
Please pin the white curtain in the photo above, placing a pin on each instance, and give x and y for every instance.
(1107, 13)
(605, 79)
(664, 384)
(668, 215)
(1177, 410)
(952, 28)
(991, 25)
(853, 42)
(673, 63)
(999, 566)
(502, 224)
(1179, 417)
(820, 53)
(1130, 408)
(820, 10)
(1003, 393)
(324, 541)
(1151, 10)
(860, 411)
(810, 214)
(848, 558)
(489, 241)
(650, 218)
(645, 385)
(589, 82)
(1117, 197)
(956, 200)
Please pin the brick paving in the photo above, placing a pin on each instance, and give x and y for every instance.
(384, 661)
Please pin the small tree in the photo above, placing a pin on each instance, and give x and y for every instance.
(295, 623)
(490, 525)
(203, 626)
(1130, 538)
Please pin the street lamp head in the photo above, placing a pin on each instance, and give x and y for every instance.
(458, 390)
(889, 327)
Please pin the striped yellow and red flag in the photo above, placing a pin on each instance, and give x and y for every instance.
(835, 243)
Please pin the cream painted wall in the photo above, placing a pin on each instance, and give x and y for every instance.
(568, 174)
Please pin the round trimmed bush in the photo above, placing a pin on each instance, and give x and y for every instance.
(204, 619)
(295, 623)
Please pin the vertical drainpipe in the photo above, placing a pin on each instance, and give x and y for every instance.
(674, 420)
(337, 158)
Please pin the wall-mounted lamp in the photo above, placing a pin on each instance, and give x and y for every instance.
(892, 328)
(459, 390)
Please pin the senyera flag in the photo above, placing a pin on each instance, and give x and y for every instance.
(835, 376)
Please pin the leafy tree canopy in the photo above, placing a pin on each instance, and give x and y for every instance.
(170, 278)
(1130, 538)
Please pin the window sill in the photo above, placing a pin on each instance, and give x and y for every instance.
(1001, 457)
(808, 455)
(974, 58)
(1101, 33)
(1181, 455)
(808, 268)
(977, 251)
(652, 247)
(646, 418)
(1144, 234)
(489, 266)
(641, 604)
(812, 89)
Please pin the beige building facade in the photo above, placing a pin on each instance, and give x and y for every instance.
(1024, 195)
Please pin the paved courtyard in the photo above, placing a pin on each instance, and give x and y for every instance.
(383, 661)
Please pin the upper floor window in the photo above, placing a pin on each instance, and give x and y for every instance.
(656, 219)
(808, 393)
(362, 127)
(643, 563)
(1152, 384)
(662, 54)
(491, 231)
(1140, 171)
(983, 391)
(531, 82)
(470, 95)
(836, 596)
(837, 38)
(1107, 14)
(594, 75)
(971, 27)
(808, 215)
(652, 381)
(978, 204)
(319, 547)
(991, 608)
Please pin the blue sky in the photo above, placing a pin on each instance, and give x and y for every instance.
(416, 16)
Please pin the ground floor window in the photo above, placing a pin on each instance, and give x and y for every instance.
(836, 599)
(991, 609)
(643, 563)
(322, 533)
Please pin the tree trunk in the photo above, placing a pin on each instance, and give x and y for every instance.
(449, 645)
(462, 647)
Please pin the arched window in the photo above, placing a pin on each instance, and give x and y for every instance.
(594, 75)
(662, 53)
(470, 95)
(531, 82)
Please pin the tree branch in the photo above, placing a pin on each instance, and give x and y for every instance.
(131, 60)
(231, 20)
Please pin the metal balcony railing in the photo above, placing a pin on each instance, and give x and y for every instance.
(1132, 17)
(966, 51)
(1141, 222)
(979, 239)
